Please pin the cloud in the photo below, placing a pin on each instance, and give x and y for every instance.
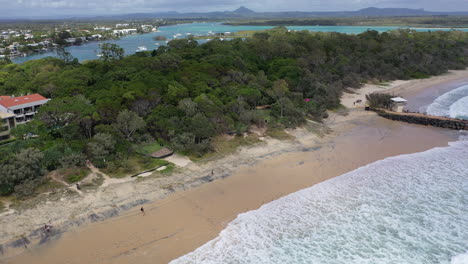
(91, 7)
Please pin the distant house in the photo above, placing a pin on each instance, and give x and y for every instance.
(125, 31)
(70, 40)
(22, 107)
(398, 104)
(102, 29)
(7, 122)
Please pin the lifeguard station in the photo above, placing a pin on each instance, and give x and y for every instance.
(398, 104)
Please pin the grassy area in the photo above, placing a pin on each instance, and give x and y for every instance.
(223, 145)
(132, 165)
(73, 175)
(278, 132)
(49, 186)
(7, 141)
(148, 148)
(341, 110)
(168, 170)
(96, 182)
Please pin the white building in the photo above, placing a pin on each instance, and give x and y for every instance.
(102, 28)
(398, 104)
(125, 31)
(23, 107)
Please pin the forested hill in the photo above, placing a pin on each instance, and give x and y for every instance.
(185, 94)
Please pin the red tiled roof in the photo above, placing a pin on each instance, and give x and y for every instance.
(4, 97)
(9, 102)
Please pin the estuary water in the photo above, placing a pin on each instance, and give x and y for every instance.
(408, 209)
(131, 43)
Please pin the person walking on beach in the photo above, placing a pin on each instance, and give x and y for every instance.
(142, 211)
(47, 228)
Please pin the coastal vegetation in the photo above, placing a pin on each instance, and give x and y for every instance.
(401, 21)
(379, 100)
(185, 95)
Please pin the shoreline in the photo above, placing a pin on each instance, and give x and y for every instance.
(185, 220)
(179, 221)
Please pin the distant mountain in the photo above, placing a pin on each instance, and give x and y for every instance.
(244, 13)
(374, 11)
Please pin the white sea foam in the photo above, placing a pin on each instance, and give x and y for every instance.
(459, 109)
(460, 259)
(408, 209)
(451, 104)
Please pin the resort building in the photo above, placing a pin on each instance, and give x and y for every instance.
(125, 31)
(398, 104)
(22, 107)
(7, 122)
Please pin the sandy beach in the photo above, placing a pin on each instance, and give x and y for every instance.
(196, 207)
(418, 92)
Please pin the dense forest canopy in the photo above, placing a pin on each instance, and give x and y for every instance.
(185, 94)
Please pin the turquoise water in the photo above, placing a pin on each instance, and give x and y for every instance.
(408, 209)
(130, 43)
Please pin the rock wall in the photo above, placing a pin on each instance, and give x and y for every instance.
(426, 120)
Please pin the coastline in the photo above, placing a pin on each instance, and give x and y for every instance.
(189, 217)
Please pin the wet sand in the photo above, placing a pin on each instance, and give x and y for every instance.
(186, 220)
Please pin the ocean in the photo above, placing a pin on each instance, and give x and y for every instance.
(452, 104)
(131, 43)
(407, 209)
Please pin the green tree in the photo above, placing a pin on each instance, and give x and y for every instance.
(279, 92)
(176, 92)
(110, 52)
(61, 112)
(100, 148)
(23, 170)
(201, 127)
(188, 106)
(64, 55)
(128, 123)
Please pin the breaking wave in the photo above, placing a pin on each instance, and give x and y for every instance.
(451, 104)
(407, 209)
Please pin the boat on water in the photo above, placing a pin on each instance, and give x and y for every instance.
(141, 48)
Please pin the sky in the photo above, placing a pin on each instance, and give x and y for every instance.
(51, 8)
